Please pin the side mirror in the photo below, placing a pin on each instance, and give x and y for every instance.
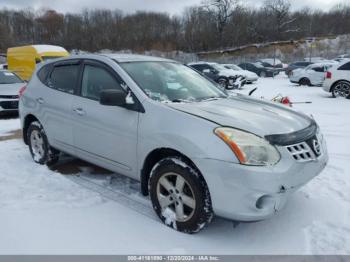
(112, 97)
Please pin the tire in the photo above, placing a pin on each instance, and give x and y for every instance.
(341, 89)
(304, 82)
(223, 82)
(173, 180)
(262, 74)
(42, 153)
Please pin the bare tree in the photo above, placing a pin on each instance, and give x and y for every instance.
(222, 11)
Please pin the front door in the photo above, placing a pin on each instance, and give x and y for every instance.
(104, 135)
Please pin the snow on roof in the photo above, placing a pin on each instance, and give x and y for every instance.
(48, 48)
(135, 58)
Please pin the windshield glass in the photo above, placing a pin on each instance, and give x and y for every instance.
(258, 65)
(234, 67)
(9, 78)
(168, 81)
(218, 67)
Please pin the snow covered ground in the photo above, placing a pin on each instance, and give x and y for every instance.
(87, 211)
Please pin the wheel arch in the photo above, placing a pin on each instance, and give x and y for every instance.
(336, 82)
(27, 121)
(154, 157)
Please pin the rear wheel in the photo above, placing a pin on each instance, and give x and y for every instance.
(39, 147)
(341, 89)
(180, 196)
(304, 82)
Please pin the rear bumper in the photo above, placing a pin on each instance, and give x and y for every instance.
(248, 193)
(327, 85)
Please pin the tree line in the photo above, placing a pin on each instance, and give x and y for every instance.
(214, 24)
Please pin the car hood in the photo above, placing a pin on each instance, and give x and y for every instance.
(243, 112)
(10, 89)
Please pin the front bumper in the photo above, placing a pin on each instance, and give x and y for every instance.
(8, 105)
(248, 193)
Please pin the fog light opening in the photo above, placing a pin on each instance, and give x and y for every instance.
(265, 202)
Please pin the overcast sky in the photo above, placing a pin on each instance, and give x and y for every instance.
(170, 6)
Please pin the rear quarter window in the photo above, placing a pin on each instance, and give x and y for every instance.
(43, 73)
(64, 78)
(345, 67)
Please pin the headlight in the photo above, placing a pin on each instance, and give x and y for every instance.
(248, 148)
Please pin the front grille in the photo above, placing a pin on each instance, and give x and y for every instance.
(10, 97)
(9, 104)
(306, 151)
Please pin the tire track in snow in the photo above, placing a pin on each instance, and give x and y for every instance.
(120, 196)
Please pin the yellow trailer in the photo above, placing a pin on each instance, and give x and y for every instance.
(22, 60)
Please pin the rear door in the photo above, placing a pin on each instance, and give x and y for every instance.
(104, 135)
(317, 75)
(55, 103)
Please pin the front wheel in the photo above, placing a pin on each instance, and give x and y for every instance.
(304, 82)
(39, 147)
(180, 196)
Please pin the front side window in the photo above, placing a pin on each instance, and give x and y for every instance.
(7, 77)
(95, 80)
(64, 78)
(170, 81)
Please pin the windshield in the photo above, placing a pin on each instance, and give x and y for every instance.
(218, 67)
(171, 82)
(258, 64)
(234, 67)
(9, 78)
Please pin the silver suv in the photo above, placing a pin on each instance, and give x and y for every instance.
(195, 150)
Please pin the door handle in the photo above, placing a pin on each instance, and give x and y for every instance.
(79, 111)
(40, 100)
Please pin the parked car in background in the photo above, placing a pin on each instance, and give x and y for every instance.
(274, 63)
(23, 60)
(226, 78)
(10, 86)
(312, 75)
(196, 150)
(249, 76)
(337, 80)
(296, 65)
(259, 69)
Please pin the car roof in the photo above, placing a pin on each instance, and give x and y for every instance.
(136, 58)
(119, 58)
(199, 63)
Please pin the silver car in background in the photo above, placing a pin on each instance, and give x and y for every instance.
(10, 86)
(196, 150)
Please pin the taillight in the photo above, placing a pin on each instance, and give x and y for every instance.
(21, 91)
(328, 75)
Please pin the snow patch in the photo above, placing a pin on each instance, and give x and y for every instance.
(170, 217)
(328, 238)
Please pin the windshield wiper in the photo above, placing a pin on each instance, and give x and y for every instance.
(180, 101)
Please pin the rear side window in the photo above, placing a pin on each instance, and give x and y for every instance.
(64, 78)
(345, 67)
(318, 69)
(95, 80)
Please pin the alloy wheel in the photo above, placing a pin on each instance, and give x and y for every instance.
(37, 143)
(175, 195)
